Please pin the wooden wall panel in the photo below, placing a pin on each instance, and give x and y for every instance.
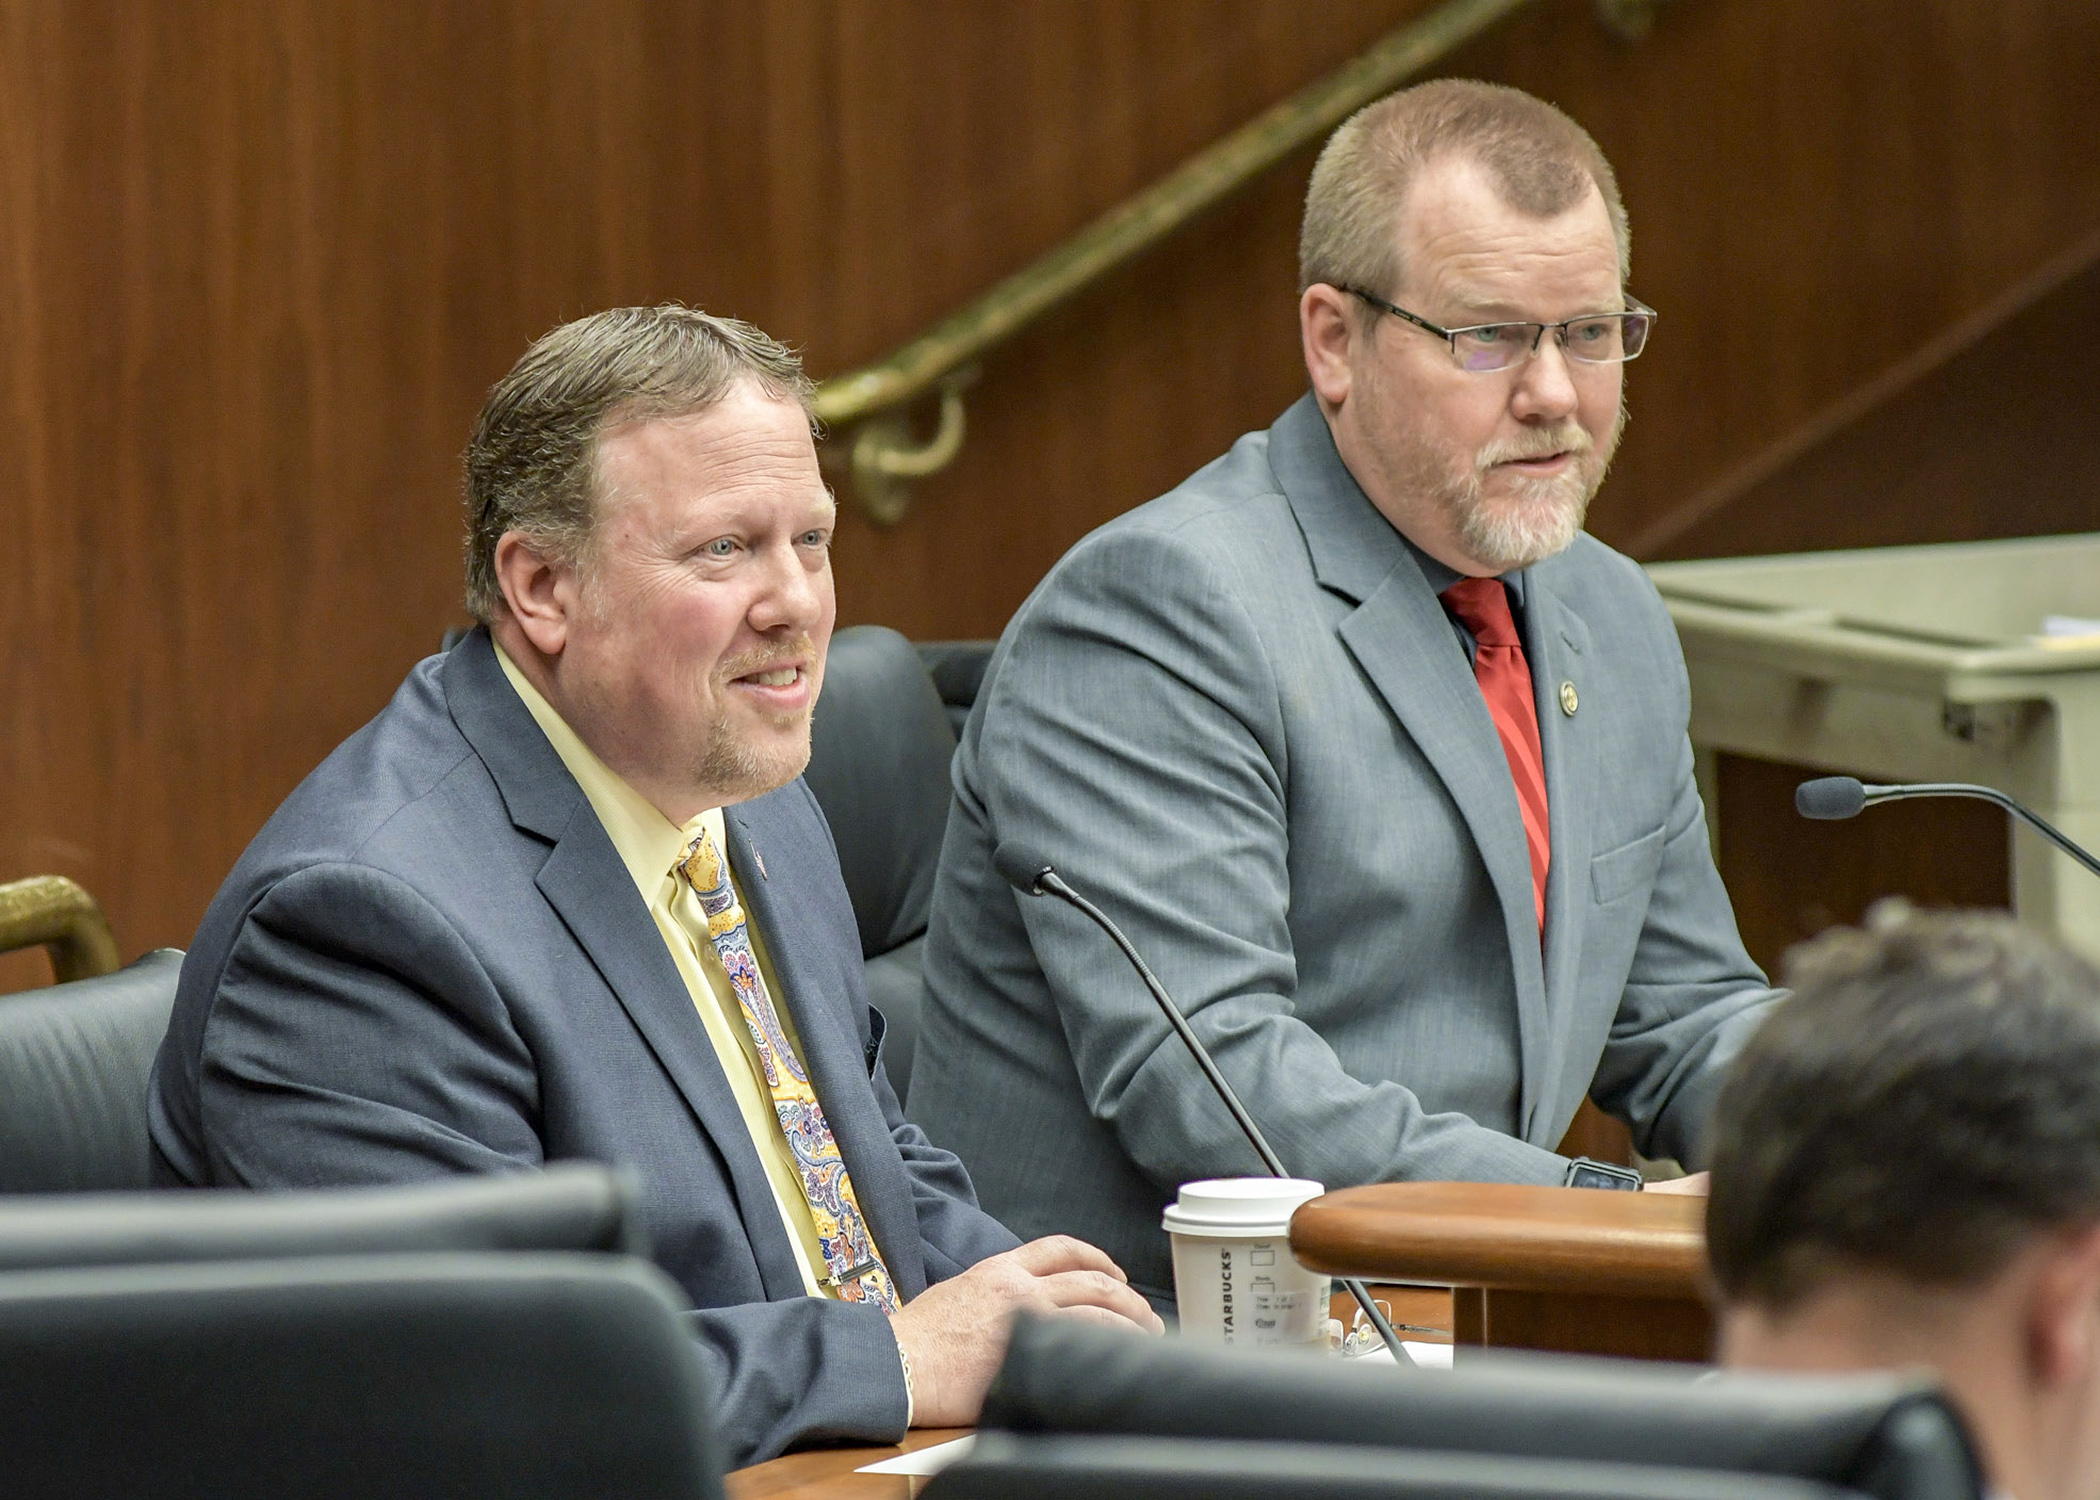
(1985, 433)
(1816, 191)
(258, 262)
(1790, 878)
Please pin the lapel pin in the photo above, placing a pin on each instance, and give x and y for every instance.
(760, 860)
(1568, 701)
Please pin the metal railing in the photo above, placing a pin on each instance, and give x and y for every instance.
(867, 404)
(52, 912)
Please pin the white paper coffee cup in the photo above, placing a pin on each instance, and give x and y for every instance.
(1235, 1281)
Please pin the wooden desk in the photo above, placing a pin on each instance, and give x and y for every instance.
(827, 1473)
(1572, 1269)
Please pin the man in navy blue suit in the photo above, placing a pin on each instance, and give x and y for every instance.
(567, 897)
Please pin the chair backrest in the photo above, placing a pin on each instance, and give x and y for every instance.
(1885, 1436)
(74, 1060)
(1005, 1466)
(577, 1206)
(528, 1377)
(957, 669)
(879, 751)
(880, 744)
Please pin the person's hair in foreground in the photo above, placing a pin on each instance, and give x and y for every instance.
(1906, 1173)
(1926, 1103)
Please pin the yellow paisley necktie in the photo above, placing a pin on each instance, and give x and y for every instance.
(851, 1262)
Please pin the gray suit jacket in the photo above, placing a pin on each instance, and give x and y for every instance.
(1238, 718)
(432, 960)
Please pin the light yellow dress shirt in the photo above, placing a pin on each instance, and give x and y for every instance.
(651, 846)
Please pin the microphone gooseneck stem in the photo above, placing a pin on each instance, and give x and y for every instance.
(1984, 794)
(1055, 885)
(1051, 883)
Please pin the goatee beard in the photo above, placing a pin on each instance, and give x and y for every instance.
(730, 764)
(1537, 518)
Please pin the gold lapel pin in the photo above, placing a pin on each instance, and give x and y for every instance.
(1568, 702)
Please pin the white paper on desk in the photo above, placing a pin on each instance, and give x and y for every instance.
(1425, 1356)
(925, 1461)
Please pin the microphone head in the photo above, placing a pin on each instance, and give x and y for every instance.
(1830, 797)
(1021, 867)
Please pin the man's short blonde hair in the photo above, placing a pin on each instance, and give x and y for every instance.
(1541, 162)
(532, 464)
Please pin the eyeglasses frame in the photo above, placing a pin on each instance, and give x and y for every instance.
(1450, 335)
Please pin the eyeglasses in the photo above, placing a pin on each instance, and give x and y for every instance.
(1596, 339)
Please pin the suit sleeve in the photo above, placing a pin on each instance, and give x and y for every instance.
(954, 1233)
(1693, 996)
(354, 1038)
(1134, 726)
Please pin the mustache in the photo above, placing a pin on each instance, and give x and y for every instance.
(761, 657)
(1569, 437)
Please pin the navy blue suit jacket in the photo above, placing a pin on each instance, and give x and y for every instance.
(432, 960)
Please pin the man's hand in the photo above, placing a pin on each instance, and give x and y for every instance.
(1698, 1185)
(954, 1333)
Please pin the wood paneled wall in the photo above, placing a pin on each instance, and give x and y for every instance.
(258, 262)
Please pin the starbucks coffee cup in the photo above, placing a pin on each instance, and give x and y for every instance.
(1234, 1279)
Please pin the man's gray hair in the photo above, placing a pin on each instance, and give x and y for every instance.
(1541, 162)
(532, 464)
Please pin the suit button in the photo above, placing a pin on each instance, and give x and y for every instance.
(1567, 699)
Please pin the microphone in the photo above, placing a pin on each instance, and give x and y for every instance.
(1028, 872)
(1834, 797)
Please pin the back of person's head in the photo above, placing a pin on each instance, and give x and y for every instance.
(1540, 161)
(1926, 1105)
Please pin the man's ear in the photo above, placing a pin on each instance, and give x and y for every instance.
(2063, 1308)
(1328, 328)
(540, 592)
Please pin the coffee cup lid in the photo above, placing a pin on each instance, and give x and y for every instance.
(1238, 1207)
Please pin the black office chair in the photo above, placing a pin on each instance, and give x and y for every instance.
(532, 1377)
(1889, 1437)
(880, 745)
(957, 669)
(1003, 1466)
(572, 1206)
(74, 1060)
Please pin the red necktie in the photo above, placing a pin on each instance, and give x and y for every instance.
(1505, 681)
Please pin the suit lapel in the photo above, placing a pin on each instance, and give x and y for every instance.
(1401, 638)
(585, 882)
(814, 995)
(590, 889)
(1557, 642)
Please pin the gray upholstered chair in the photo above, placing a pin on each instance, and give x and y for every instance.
(533, 1377)
(1003, 1466)
(570, 1206)
(1121, 1396)
(74, 1060)
(881, 742)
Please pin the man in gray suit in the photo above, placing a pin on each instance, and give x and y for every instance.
(567, 897)
(1377, 758)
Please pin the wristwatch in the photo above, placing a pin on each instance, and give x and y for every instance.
(1587, 1172)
